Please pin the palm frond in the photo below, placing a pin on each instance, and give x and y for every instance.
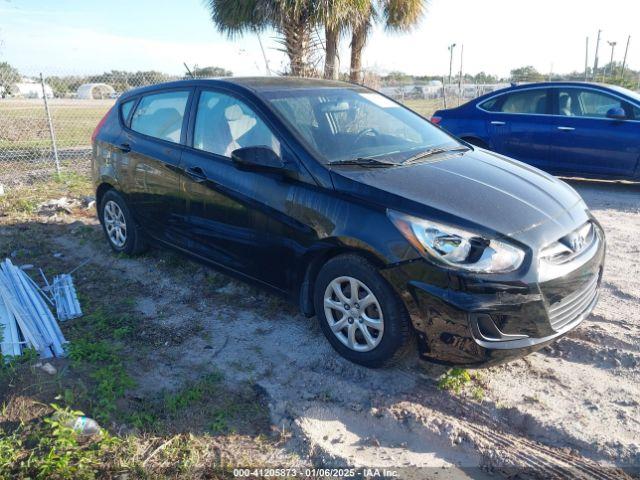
(402, 15)
(235, 17)
(340, 14)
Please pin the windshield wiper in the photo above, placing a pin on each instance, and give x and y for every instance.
(363, 161)
(432, 151)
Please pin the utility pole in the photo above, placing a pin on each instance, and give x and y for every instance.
(451, 47)
(612, 70)
(264, 55)
(624, 62)
(586, 61)
(595, 61)
(188, 71)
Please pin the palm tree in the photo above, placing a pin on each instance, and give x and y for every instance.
(295, 21)
(397, 15)
(292, 19)
(337, 16)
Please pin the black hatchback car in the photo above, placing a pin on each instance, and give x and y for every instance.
(368, 216)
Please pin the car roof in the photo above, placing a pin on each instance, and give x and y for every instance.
(559, 83)
(255, 84)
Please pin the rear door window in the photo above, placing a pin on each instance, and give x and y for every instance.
(528, 101)
(161, 115)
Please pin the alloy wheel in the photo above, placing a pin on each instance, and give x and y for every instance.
(115, 224)
(353, 314)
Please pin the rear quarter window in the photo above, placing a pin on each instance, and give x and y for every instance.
(161, 115)
(491, 105)
(125, 110)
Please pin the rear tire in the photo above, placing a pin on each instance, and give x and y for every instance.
(120, 228)
(370, 327)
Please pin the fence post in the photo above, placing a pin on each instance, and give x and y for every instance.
(444, 94)
(51, 131)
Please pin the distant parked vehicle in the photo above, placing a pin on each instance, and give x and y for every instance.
(566, 128)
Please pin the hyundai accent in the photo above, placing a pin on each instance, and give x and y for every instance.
(385, 227)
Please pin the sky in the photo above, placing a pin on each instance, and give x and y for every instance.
(88, 36)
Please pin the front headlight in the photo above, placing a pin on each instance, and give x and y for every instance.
(455, 247)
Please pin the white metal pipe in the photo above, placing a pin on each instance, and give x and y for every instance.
(10, 345)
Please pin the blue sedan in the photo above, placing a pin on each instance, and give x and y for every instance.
(566, 128)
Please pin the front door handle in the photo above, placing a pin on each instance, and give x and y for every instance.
(566, 129)
(196, 174)
(124, 147)
(497, 122)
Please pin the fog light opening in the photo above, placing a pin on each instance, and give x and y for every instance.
(487, 327)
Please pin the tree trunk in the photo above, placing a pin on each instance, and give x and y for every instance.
(358, 40)
(332, 38)
(297, 40)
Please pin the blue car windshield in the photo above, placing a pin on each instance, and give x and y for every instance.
(625, 91)
(341, 124)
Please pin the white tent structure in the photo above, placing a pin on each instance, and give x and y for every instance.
(30, 90)
(95, 91)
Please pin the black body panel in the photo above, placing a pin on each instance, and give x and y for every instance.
(278, 227)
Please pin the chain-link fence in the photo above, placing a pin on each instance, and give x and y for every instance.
(46, 121)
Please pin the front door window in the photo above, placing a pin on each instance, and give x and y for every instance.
(578, 102)
(224, 124)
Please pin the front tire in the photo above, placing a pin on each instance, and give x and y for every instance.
(119, 226)
(360, 314)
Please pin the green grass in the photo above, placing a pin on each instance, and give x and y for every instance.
(458, 380)
(52, 449)
(24, 126)
(10, 367)
(170, 429)
(425, 107)
(95, 349)
(454, 379)
(174, 402)
(20, 202)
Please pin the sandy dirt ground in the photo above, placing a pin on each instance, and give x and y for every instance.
(567, 410)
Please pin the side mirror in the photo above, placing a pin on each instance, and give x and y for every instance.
(257, 159)
(617, 113)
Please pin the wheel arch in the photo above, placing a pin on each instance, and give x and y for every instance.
(103, 188)
(313, 261)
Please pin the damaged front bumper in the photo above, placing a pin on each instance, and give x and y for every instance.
(474, 321)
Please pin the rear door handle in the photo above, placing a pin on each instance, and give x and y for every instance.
(497, 122)
(196, 174)
(566, 129)
(124, 147)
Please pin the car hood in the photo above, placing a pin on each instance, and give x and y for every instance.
(477, 186)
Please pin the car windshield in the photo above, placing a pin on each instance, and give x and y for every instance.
(625, 91)
(351, 124)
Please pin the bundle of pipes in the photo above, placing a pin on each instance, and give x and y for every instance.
(65, 298)
(25, 318)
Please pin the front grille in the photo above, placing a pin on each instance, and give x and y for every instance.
(572, 306)
(570, 246)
